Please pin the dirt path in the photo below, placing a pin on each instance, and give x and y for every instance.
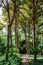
(24, 58)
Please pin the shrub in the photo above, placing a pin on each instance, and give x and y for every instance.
(15, 58)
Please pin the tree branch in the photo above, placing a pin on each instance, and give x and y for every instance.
(8, 10)
(14, 12)
(4, 5)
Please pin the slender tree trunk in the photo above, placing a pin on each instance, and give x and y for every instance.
(9, 42)
(27, 31)
(7, 48)
(16, 31)
(33, 23)
(35, 54)
(28, 38)
(9, 36)
(10, 39)
(25, 36)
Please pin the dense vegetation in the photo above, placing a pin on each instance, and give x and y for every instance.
(21, 30)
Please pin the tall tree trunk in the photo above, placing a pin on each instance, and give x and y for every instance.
(10, 39)
(28, 38)
(35, 54)
(16, 31)
(9, 42)
(33, 23)
(8, 36)
(7, 48)
(27, 31)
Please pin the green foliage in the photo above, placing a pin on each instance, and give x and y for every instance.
(14, 59)
(2, 45)
(26, 14)
(14, 50)
(33, 50)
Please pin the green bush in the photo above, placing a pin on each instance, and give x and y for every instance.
(14, 59)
